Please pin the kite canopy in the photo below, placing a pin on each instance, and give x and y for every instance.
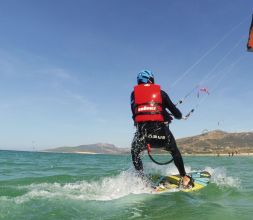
(250, 41)
(204, 90)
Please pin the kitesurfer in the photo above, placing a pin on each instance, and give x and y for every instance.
(148, 105)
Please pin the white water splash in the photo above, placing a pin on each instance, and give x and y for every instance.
(220, 177)
(109, 188)
(165, 170)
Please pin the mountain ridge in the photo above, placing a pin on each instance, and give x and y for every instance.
(216, 141)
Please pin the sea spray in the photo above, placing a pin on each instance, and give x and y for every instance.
(221, 179)
(114, 187)
(108, 188)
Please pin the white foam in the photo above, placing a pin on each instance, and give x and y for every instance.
(219, 177)
(109, 188)
(165, 170)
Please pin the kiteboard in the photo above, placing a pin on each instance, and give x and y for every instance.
(161, 184)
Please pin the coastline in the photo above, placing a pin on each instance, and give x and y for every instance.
(220, 155)
(81, 152)
(183, 154)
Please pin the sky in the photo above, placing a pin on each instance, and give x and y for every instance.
(67, 68)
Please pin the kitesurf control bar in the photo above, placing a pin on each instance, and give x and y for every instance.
(189, 114)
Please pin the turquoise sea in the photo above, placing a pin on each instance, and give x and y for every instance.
(44, 186)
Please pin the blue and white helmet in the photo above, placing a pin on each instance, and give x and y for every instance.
(145, 76)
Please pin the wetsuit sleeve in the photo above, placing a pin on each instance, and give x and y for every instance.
(132, 104)
(168, 104)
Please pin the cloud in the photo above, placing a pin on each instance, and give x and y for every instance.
(57, 73)
(8, 64)
(45, 83)
(30, 66)
(57, 77)
(5, 106)
(82, 103)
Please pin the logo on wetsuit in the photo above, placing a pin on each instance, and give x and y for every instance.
(154, 136)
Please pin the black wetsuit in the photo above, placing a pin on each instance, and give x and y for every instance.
(138, 145)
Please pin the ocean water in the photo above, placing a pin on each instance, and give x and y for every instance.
(44, 186)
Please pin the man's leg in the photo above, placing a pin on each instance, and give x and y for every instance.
(137, 148)
(178, 160)
(175, 153)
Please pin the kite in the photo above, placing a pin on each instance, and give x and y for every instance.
(203, 89)
(250, 40)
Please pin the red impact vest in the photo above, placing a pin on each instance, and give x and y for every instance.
(148, 103)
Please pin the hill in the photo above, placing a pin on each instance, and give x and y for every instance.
(99, 148)
(213, 142)
(217, 142)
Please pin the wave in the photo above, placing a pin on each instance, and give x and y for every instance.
(219, 175)
(221, 179)
(110, 188)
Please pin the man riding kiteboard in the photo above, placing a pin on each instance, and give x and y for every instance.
(148, 105)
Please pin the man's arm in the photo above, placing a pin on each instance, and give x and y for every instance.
(132, 104)
(167, 103)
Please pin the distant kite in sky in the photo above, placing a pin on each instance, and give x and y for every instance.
(203, 89)
(250, 41)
